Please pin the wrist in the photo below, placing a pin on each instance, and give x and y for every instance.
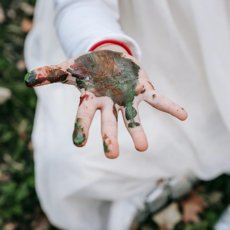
(113, 45)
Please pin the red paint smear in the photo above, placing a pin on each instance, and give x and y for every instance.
(39, 75)
(106, 138)
(82, 98)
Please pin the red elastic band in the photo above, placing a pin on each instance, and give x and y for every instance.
(119, 43)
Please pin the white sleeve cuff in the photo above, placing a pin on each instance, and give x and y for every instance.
(131, 43)
(81, 24)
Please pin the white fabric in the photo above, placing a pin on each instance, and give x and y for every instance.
(186, 51)
(85, 27)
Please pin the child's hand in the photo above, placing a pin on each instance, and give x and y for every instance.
(109, 81)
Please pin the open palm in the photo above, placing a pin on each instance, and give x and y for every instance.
(109, 81)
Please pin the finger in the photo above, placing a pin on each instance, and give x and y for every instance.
(165, 105)
(109, 131)
(133, 124)
(45, 75)
(85, 114)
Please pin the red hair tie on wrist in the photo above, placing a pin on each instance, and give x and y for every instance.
(111, 41)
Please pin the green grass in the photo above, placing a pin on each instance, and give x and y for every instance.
(18, 201)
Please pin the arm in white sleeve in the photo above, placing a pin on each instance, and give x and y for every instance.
(82, 23)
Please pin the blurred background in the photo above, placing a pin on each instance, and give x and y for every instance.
(19, 206)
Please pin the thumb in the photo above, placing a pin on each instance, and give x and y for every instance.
(45, 75)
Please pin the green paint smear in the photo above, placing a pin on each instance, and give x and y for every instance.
(79, 138)
(133, 124)
(107, 73)
(130, 112)
(78, 134)
(105, 146)
(30, 79)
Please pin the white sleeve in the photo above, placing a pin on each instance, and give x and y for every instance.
(82, 23)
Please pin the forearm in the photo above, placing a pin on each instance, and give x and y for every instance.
(80, 24)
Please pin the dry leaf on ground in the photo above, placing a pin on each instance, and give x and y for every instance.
(2, 15)
(168, 217)
(5, 94)
(26, 25)
(9, 226)
(40, 222)
(192, 206)
(21, 66)
(27, 8)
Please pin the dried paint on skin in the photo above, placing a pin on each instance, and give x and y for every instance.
(105, 147)
(78, 134)
(103, 73)
(133, 124)
(82, 98)
(52, 75)
(30, 79)
(106, 143)
(107, 73)
(143, 91)
(115, 112)
(140, 89)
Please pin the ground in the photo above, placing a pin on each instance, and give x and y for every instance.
(19, 206)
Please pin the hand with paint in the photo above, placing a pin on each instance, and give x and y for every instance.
(112, 82)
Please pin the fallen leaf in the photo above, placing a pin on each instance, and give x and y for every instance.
(5, 94)
(168, 217)
(30, 146)
(11, 13)
(2, 15)
(4, 177)
(41, 222)
(26, 25)
(22, 127)
(215, 197)
(9, 226)
(192, 206)
(21, 65)
(27, 8)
